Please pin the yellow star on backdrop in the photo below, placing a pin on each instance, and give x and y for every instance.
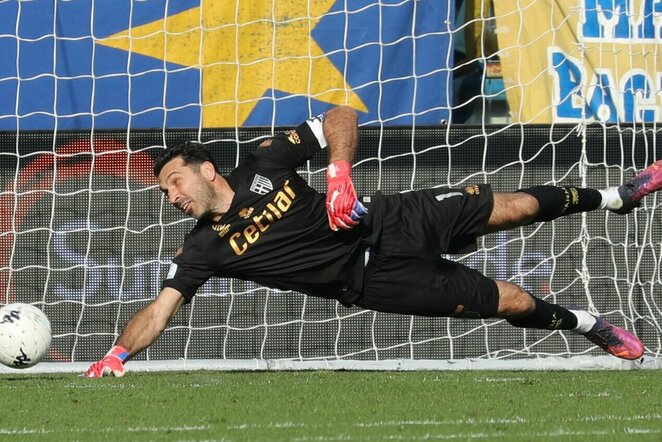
(244, 48)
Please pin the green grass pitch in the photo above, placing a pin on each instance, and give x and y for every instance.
(335, 406)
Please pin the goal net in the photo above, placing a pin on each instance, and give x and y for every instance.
(449, 94)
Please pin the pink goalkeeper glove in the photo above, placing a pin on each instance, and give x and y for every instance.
(111, 364)
(342, 206)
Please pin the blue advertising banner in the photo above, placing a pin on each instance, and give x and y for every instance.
(81, 64)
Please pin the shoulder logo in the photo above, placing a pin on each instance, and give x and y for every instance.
(293, 136)
(221, 229)
(261, 185)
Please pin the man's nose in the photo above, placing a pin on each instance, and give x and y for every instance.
(173, 197)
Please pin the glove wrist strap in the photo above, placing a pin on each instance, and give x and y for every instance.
(119, 352)
(338, 169)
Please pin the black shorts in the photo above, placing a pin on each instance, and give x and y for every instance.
(405, 272)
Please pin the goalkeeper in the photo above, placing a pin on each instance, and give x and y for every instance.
(264, 223)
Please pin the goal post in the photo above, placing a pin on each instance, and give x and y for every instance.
(448, 93)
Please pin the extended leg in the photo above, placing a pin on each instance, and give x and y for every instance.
(540, 203)
(546, 203)
(512, 210)
(521, 309)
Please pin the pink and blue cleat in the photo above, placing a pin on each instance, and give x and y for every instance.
(631, 192)
(615, 340)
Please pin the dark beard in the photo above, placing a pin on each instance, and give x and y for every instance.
(208, 215)
(208, 195)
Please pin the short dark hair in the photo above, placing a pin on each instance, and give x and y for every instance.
(190, 151)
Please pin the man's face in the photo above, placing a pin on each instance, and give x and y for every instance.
(187, 189)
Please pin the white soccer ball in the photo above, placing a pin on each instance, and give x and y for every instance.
(25, 335)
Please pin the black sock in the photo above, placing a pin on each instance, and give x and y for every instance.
(547, 316)
(556, 201)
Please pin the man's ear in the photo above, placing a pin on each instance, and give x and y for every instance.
(208, 171)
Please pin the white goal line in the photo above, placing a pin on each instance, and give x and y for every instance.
(572, 363)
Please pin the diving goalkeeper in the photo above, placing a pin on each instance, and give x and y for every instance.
(264, 223)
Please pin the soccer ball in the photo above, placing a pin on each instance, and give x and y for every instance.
(25, 335)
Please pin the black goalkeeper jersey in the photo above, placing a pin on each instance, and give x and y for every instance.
(276, 230)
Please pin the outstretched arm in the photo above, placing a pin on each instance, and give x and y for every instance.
(140, 332)
(343, 208)
(341, 133)
(148, 324)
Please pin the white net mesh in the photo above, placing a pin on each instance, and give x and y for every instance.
(91, 90)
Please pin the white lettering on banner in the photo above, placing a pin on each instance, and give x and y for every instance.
(530, 270)
(111, 281)
(116, 278)
(634, 97)
(609, 93)
(613, 20)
